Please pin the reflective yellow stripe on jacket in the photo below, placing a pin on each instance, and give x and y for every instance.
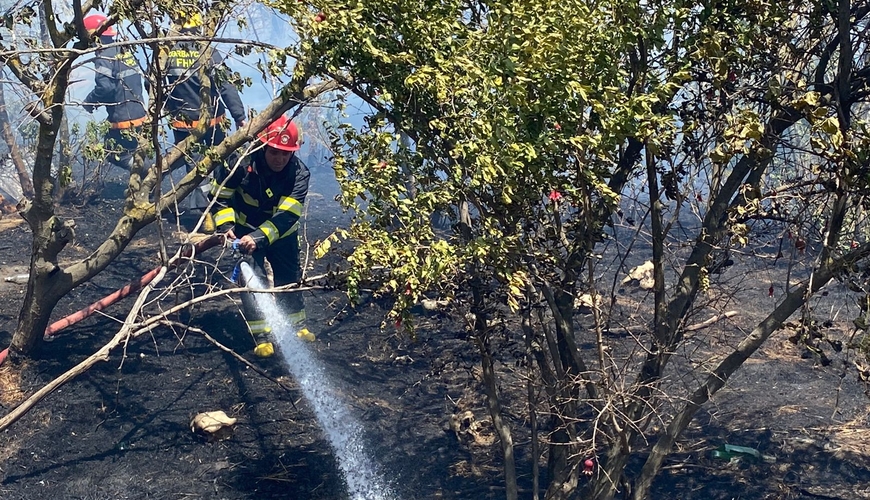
(270, 231)
(285, 204)
(225, 216)
(223, 193)
(289, 204)
(250, 200)
(258, 327)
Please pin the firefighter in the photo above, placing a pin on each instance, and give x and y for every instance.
(118, 87)
(183, 63)
(260, 205)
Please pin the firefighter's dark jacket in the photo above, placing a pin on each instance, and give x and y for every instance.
(262, 203)
(118, 84)
(183, 62)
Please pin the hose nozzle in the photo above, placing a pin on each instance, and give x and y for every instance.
(237, 269)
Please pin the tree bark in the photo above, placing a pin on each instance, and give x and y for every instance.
(50, 234)
(532, 401)
(494, 406)
(564, 471)
(490, 384)
(14, 153)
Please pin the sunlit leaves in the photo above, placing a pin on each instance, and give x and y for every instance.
(500, 108)
(323, 247)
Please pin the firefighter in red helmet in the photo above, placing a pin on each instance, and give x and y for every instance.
(118, 87)
(260, 204)
(94, 21)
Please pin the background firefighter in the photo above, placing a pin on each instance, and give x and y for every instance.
(260, 204)
(183, 63)
(118, 87)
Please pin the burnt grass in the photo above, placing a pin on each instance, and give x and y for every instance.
(122, 429)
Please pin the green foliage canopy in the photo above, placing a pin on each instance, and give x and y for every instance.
(504, 103)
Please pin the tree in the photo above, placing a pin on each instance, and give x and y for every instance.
(528, 121)
(45, 72)
(14, 151)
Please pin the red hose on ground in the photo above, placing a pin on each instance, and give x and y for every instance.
(119, 294)
(101, 304)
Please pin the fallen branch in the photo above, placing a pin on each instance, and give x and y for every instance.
(637, 329)
(714, 319)
(186, 252)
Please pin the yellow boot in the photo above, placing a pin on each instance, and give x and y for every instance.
(264, 350)
(305, 334)
(265, 344)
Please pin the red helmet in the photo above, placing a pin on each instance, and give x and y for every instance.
(94, 21)
(281, 134)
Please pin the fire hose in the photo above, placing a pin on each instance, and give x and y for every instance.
(126, 290)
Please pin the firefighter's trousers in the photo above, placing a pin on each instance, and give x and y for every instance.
(283, 256)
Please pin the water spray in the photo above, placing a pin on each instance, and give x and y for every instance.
(345, 434)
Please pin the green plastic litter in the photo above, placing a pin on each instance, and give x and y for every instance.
(730, 452)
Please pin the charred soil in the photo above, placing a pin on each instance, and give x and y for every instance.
(122, 429)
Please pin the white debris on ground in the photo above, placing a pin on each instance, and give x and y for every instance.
(641, 276)
(215, 424)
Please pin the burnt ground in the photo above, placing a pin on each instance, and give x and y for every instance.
(122, 429)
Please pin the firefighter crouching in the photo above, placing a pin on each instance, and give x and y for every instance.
(260, 204)
(118, 87)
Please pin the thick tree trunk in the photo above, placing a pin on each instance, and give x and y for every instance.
(564, 476)
(43, 285)
(50, 235)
